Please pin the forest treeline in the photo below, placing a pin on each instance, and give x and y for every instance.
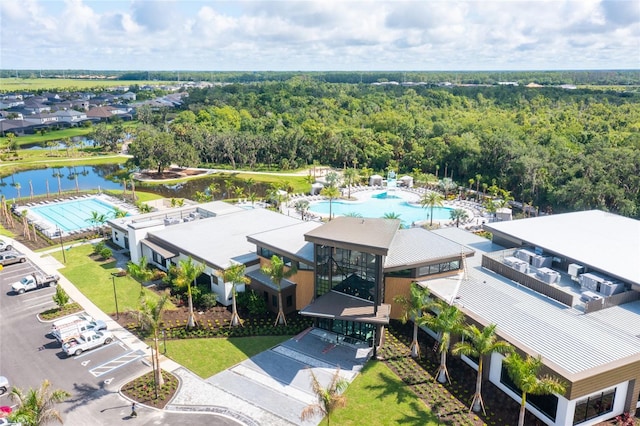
(628, 78)
(559, 150)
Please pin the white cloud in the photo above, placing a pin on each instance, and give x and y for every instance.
(322, 35)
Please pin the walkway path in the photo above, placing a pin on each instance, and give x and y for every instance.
(270, 389)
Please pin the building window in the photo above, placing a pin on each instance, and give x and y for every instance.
(594, 406)
(215, 279)
(274, 300)
(439, 268)
(546, 404)
(158, 259)
(304, 267)
(289, 301)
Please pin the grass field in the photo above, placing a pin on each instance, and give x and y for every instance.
(93, 278)
(20, 84)
(207, 357)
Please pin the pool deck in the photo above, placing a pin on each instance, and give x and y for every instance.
(52, 229)
(475, 211)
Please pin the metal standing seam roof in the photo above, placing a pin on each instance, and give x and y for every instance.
(604, 241)
(572, 340)
(217, 240)
(368, 234)
(290, 242)
(565, 336)
(264, 279)
(416, 246)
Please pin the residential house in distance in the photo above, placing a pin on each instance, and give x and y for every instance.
(564, 287)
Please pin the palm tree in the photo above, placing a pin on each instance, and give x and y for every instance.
(330, 192)
(234, 274)
(58, 175)
(117, 213)
(524, 373)
(391, 215)
(17, 186)
(36, 407)
(212, 189)
(188, 271)
(350, 175)
(277, 273)
(140, 271)
(413, 308)
(97, 219)
(150, 318)
(329, 398)
(301, 207)
(458, 215)
(448, 320)
(480, 343)
(431, 199)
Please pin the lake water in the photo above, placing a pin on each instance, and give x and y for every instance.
(65, 178)
(94, 177)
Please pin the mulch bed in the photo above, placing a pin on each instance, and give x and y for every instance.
(450, 401)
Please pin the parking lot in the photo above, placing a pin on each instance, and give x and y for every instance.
(28, 353)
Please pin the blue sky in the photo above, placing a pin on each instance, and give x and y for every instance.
(307, 35)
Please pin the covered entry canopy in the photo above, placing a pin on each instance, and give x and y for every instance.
(340, 306)
(167, 254)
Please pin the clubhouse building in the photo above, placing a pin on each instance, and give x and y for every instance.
(565, 287)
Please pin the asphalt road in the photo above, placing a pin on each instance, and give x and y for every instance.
(28, 355)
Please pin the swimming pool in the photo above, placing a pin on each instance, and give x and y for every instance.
(75, 214)
(377, 205)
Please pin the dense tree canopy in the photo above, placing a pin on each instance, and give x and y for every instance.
(553, 148)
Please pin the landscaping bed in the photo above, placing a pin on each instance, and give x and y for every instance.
(214, 322)
(143, 389)
(449, 401)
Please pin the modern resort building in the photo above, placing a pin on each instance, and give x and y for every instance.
(565, 287)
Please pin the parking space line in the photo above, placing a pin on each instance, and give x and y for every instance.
(93, 351)
(116, 363)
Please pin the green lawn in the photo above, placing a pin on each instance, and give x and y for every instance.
(94, 280)
(377, 396)
(376, 393)
(206, 357)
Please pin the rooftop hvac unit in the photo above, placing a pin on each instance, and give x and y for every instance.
(609, 288)
(517, 264)
(547, 275)
(541, 261)
(575, 270)
(524, 254)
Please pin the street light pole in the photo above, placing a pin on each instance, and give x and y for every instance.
(64, 256)
(115, 295)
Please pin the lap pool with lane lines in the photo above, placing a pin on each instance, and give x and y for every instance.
(75, 214)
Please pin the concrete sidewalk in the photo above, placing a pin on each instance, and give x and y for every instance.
(270, 389)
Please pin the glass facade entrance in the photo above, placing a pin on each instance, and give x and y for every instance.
(359, 331)
(347, 271)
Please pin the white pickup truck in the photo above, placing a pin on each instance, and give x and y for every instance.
(87, 341)
(34, 281)
(75, 326)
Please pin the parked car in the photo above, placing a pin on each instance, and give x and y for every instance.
(4, 384)
(34, 281)
(4, 246)
(76, 328)
(87, 341)
(11, 258)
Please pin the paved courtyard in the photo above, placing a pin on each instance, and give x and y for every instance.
(273, 387)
